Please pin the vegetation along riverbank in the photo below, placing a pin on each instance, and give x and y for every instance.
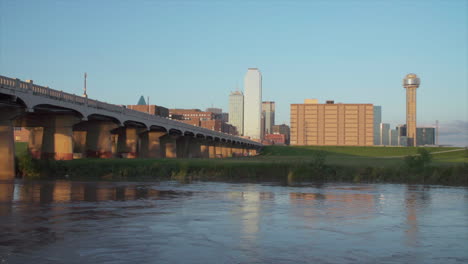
(447, 166)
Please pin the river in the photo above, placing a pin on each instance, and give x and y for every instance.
(228, 222)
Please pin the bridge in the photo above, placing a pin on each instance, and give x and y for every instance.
(65, 126)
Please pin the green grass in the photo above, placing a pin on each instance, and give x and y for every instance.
(350, 164)
(353, 151)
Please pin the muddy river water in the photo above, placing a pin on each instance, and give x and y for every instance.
(230, 222)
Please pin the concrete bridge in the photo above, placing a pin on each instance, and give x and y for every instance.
(65, 126)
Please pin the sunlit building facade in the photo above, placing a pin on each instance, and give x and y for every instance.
(332, 124)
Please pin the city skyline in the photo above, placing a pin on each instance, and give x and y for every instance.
(163, 50)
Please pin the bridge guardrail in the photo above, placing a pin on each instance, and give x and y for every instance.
(17, 84)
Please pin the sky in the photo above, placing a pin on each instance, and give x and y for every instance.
(192, 54)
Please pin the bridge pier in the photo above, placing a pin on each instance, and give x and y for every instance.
(226, 150)
(195, 148)
(35, 141)
(99, 139)
(127, 142)
(150, 144)
(7, 144)
(57, 138)
(79, 144)
(169, 143)
(204, 149)
(183, 144)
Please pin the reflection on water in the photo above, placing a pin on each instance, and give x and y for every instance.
(206, 222)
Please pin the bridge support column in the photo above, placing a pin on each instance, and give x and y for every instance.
(150, 145)
(226, 150)
(183, 144)
(99, 139)
(218, 149)
(79, 144)
(211, 149)
(35, 141)
(7, 144)
(195, 148)
(169, 146)
(57, 140)
(127, 142)
(204, 149)
(236, 151)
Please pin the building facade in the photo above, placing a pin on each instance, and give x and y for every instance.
(253, 104)
(377, 121)
(236, 111)
(283, 130)
(268, 113)
(151, 109)
(332, 124)
(384, 134)
(425, 136)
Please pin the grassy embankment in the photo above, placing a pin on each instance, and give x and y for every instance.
(350, 164)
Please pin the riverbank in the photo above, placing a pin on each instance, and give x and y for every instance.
(447, 166)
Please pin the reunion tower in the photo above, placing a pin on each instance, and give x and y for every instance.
(411, 83)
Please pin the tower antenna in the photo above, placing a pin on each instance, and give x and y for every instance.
(84, 93)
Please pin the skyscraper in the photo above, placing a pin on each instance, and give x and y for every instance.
(384, 134)
(268, 112)
(253, 103)
(236, 111)
(377, 121)
(411, 83)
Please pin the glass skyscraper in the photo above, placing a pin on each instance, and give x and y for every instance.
(236, 111)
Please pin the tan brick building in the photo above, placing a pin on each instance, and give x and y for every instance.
(332, 124)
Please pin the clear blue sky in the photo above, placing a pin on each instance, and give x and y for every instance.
(191, 54)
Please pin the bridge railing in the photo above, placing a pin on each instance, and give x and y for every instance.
(17, 84)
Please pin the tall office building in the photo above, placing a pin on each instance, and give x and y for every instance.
(268, 113)
(253, 104)
(425, 136)
(384, 134)
(393, 140)
(236, 111)
(377, 121)
(332, 124)
(411, 83)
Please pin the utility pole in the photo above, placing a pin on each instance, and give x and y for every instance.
(84, 93)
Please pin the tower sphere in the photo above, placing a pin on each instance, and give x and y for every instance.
(411, 81)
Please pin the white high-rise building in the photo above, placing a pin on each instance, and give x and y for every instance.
(236, 111)
(253, 104)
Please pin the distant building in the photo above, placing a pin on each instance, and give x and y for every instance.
(401, 132)
(150, 109)
(377, 121)
(425, 136)
(236, 111)
(141, 101)
(332, 124)
(393, 140)
(196, 117)
(214, 110)
(253, 104)
(268, 114)
(275, 139)
(384, 134)
(283, 130)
